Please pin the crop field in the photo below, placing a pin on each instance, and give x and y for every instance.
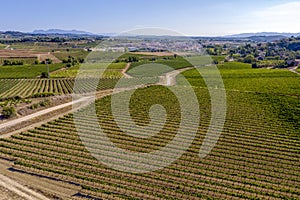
(113, 70)
(257, 156)
(2, 46)
(241, 77)
(29, 87)
(177, 63)
(39, 46)
(63, 54)
(26, 60)
(27, 71)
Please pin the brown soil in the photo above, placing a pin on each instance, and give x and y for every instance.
(160, 53)
(41, 56)
(154, 53)
(8, 195)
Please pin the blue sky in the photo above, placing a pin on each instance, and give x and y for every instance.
(190, 17)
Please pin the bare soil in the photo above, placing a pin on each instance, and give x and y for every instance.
(154, 53)
(41, 56)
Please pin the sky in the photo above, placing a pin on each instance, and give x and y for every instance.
(188, 17)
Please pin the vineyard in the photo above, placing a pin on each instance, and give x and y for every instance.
(257, 156)
(27, 71)
(241, 77)
(108, 70)
(29, 87)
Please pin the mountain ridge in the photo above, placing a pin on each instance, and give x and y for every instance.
(61, 31)
(243, 35)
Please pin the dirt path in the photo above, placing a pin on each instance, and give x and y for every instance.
(19, 189)
(294, 70)
(7, 47)
(169, 79)
(44, 56)
(50, 114)
(3, 127)
(125, 70)
(61, 69)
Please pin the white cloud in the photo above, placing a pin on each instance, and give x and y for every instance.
(279, 18)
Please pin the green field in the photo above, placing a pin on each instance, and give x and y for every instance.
(26, 88)
(219, 59)
(27, 71)
(241, 77)
(112, 70)
(25, 61)
(2, 46)
(63, 54)
(256, 157)
(278, 89)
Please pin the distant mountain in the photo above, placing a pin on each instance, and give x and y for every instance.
(63, 32)
(108, 34)
(260, 34)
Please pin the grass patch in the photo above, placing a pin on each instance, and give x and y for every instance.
(26, 71)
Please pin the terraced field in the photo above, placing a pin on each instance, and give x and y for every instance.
(257, 156)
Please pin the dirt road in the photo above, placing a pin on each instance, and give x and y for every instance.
(44, 56)
(125, 70)
(20, 190)
(12, 123)
(169, 79)
(294, 70)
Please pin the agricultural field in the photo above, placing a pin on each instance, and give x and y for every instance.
(38, 46)
(27, 71)
(218, 59)
(29, 87)
(26, 61)
(26, 56)
(241, 77)
(64, 54)
(257, 156)
(108, 70)
(2, 46)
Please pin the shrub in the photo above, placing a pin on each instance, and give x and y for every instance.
(43, 94)
(8, 112)
(44, 75)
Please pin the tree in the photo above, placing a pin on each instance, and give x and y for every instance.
(6, 62)
(44, 75)
(249, 59)
(8, 112)
(254, 65)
